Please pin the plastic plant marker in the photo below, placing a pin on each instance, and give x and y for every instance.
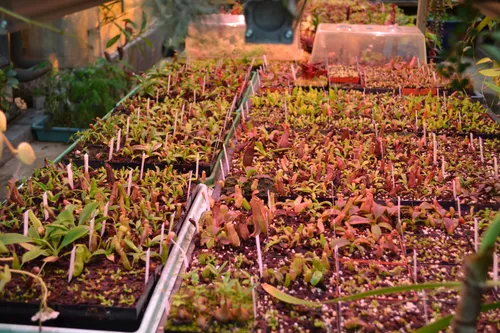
(460, 118)
(184, 256)
(254, 298)
(111, 144)
(471, 141)
(226, 157)
(476, 235)
(293, 73)
(424, 301)
(459, 207)
(495, 166)
(86, 163)
(71, 264)
(91, 232)
(443, 166)
(182, 113)
(454, 186)
(162, 234)
(400, 91)
(118, 140)
(269, 201)
(415, 270)
(253, 89)
(70, 176)
(416, 121)
(434, 76)
(175, 125)
(339, 314)
(434, 145)
(189, 186)
(399, 212)
(142, 165)
(197, 165)
(129, 183)
(425, 133)
(481, 149)
(495, 269)
(148, 258)
(222, 170)
(337, 267)
(445, 101)
(168, 84)
(171, 226)
(106, 208)
(45, 205)
(25, 223)
(128, 129)
(392, 176)
(259, 255)
(265, 60)
(286, 110)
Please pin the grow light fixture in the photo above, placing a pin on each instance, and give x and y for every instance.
(272, 21)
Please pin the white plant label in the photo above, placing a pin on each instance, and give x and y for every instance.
(259, 256)
(476, 234)
(71, 264)
(111, 144)
(459, 207)
(118, 140)
(91, 232)
(189, 185)
(415, 270)
(481, 149)
(70, 176)
(225, 156)
(45, 205)
(197, 165)
(128, 128)
(86, 163)
(129, 183)
(142, 165)
(495, 166)
(434, 144)
(25, 223)
(443, 166)
(293, 73)
(168, 84)
(162, 234)
(222, 170)
(454, 186)
(265, 60)
(148, 255)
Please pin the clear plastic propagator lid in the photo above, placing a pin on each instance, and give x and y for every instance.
(349, 44)
(223, 36)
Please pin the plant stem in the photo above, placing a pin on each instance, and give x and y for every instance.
(7, 142)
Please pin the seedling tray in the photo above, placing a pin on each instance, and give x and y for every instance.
(83, 316)
(55, 134)
(154, 307)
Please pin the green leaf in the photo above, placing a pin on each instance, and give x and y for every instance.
(87, 212)
(113, 40)
(36, 222)
(491, 51)
(74, 234)
(129, 21)
(316, 278)
(483, 61)
(3, 248)
(13, 238)
(490, 72)
(148, 42)
(66, 216)
(444, 322)
(34, 253)
(144, 21)
(284, 297)
(492, 86)
(131, 245)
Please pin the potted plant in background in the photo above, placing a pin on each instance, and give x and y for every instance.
(39, 97)
(80, 95)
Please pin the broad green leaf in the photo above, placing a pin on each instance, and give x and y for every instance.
(87, 212)
(483, 61)
(492, 86)
(491, 51)
(74, 234)
(112, 41)
(66, 216)
(144, 21)
(284, 297)
(131, 245)
(3, 248)
(490, 72)
(483, 24)
(34, 253)
(13, 238)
